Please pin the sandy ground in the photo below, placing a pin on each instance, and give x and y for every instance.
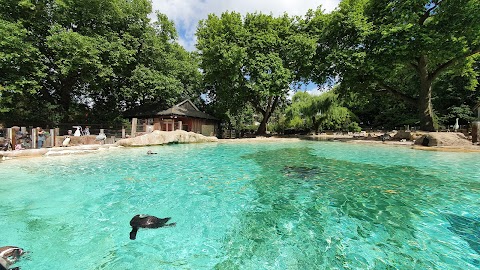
(450, 141)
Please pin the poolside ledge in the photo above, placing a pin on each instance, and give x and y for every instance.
(55, 151)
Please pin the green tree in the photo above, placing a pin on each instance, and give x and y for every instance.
(453, 100)
(320, 112)
(20, 66)
(399, 47)
(298, 112)
(69, 60)
(252, 60)
(165, 73)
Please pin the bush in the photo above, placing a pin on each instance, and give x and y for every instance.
(354, 127)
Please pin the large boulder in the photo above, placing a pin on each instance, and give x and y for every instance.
(165, 137)
(443, 139)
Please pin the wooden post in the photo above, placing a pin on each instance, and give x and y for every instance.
(134, 127)
(180, 125)
(57, 131)
(52, 137)
(14, 138)
(123, 133)
(10, 137)
(34, 136)
(102, 132)
(476, 132)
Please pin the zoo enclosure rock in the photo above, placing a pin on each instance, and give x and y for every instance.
(165, 137)
(443, 139)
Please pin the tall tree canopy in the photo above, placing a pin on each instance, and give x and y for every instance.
(63, 61)
(252, 60)
(399, 47)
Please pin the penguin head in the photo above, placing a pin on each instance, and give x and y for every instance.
(18, 252)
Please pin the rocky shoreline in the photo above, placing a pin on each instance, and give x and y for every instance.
(154, 138)
(437, 141)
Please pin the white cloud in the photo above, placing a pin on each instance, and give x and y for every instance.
(187, 13)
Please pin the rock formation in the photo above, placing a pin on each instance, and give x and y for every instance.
(165, 137)
(443, 139)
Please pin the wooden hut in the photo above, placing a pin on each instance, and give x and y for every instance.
(184, 116)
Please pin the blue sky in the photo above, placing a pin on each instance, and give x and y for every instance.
(187, 13)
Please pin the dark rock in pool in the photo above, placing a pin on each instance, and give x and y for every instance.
(302, 172)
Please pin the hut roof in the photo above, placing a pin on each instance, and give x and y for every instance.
(185, 108)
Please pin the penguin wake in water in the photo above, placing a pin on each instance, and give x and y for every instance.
(147, 222)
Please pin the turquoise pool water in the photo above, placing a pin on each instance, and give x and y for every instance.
(283, 205)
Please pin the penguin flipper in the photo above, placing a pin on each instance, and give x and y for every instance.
(133, 234)
(164, 220)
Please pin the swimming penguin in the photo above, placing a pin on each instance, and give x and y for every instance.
(10, 255)
(148, 222)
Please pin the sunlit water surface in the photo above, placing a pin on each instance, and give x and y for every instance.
(288, 205)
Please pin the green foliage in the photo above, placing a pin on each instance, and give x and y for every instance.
(323, 112)
(398, 62)
(20, 66)
(252, 60)
(79, 61)
(354, 127)
(279, 123)
(398, 47)
(455, 99)
(336, 118)
(243, 120)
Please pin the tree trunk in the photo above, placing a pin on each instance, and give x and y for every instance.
(316, 124)
(271, 104)
(424, 106)
(262, 128)
(65, 102)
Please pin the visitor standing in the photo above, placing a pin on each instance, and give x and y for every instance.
(41, 137)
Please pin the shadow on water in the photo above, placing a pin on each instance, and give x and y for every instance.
(467, 228)
(334, 214)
